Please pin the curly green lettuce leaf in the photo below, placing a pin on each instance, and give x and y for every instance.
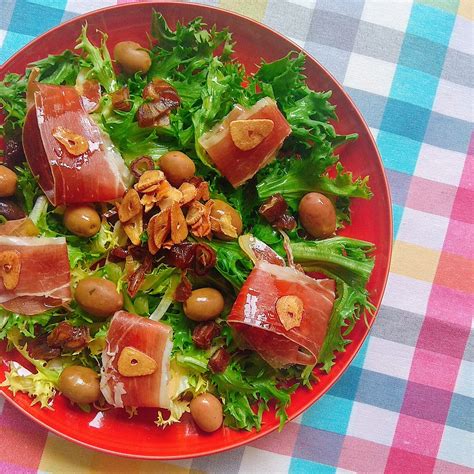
(248, 385)
(39, 386)
(338, 257)
(303, 374)
(344, 185)
(308, 175)
(27, 189)
(350, 304)
(309, 117)
(59, 69)
(232, 262)
(12, 99)
(188, 43)
(283, 79)
(192, 36)
(96, 60)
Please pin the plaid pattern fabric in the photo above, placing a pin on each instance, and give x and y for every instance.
(406, 402)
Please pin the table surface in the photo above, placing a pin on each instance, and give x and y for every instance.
(406, 402)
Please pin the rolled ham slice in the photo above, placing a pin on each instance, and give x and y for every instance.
(44, 280)
(254, 314)
(97, 175)
(236, 165)
(149, 337)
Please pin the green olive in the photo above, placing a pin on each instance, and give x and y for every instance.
(7, 182)
(221, 208)
(132, 57)
(79, 384)
(206, 411)
(177, 167)
(317, 215)
(99, 297)
(204, 304)
(83, 220)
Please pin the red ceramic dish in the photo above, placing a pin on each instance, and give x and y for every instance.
(112, 432)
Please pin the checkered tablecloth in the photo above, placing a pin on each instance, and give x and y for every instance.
(406, 403)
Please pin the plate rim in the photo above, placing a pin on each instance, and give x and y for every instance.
(358, 344)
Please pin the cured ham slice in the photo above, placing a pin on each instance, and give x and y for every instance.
(237, 165)
(44, 279)
(152, 338)
(92, 172)
(257, 314)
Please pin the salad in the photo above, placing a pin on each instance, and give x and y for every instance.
(169, 230)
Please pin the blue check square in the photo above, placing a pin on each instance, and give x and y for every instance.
(431, 23)
(405, 119)
(330, 413)
(34, 21)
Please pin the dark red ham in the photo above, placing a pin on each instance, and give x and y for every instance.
(254, 314)
(97, 174)
(236, 165)
(44, 280)
(149, 337)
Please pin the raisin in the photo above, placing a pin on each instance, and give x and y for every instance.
(38, 348)
(219, 361)
(183, 290)
(273, 208)
(68, 337)
(204, 333)
(285, 222)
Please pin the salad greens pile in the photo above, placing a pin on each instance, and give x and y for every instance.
(198, 62)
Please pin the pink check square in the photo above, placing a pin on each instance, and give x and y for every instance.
(418, 436)
(400, 460)
(442, 297)
(363, 456)
(434, 369)
(429, 196)
(459, 238)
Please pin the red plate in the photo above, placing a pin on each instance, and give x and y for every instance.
(112, 432)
